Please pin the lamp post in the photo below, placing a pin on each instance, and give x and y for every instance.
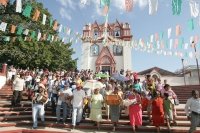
(197, 63)
(183, 71)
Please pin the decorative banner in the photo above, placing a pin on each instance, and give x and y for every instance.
(178, 30)
(156, 37)
(161, 35)
(191, 24)
(85, 2)
(194, 8)
(169, 32)
(55, 25)
(36, 15)
(39, 36)
(26, 32)
(19, 6)
(3, 26)
(176, 7)
(27, 11)
(13, 27)
(129, 5)
(153, 6)
(51, 22)
(4, 2)
(44, 19)
(105, 11)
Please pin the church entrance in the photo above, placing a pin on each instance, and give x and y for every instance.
(105, 68)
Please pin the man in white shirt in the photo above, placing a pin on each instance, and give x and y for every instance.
(64, 98)
(50, 85)
(78, 105)
(194, 104)
(18, 86)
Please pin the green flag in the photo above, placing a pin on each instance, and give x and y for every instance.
(148, 39)
(166, 44)
(19, 31)
(191, 24)
(105, 3)
(51, 22)
(155, 45)
(27, 11)
(176, 7)
(186, 54)
(161, 35)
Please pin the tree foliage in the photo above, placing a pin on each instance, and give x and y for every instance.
(33, 53)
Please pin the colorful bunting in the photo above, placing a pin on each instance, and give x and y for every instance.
(36, 15)
(27, 11)
(13, 27)
(169, 32)
(51, 22)
(19, 6)
(129, 5)
(194, 8)
(161, 35)
(55, 25)
(19, 31)
(191, 24)
(26, 32)
(4, 2)
(176, 7)
(153, 6)
(3, 26)
(178, 30)
(44, 19)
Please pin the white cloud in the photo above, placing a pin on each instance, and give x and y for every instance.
(67, 3)
(97, 9)
(65, 14)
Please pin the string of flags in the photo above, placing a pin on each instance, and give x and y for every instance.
(36, 17)
(153, 6)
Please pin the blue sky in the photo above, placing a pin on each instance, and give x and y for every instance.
(74, 15)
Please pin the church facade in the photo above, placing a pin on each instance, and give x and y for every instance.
(110, 57)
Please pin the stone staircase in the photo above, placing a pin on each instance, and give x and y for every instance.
(19, 119)
(185, 92)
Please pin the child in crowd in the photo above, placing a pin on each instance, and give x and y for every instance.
(149, 107)
(167, 104)
(144, 102)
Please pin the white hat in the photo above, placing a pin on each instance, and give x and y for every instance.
(37, 80)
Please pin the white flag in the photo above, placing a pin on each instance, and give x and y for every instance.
(3, 26)
(158, 45)
(44, 19)
(194, 8)
(190, 55)
(60, 28)
(164, 53)
(186, 46)
(19, 6)
(25, 38)
(171, 43)
(38, 36)
(63, 39)
(26, 32)
(85, 2)
(191, 39)
(151, 38)
(153, 6)
(199, 21)
(169, 32)
(52, 38)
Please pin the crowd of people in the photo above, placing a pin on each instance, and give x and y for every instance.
(64, 89)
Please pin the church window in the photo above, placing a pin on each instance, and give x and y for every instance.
(117, 50)
(94, 50)
(95, 33)
(117, 33)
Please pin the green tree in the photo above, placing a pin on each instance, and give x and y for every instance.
(42, 54)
